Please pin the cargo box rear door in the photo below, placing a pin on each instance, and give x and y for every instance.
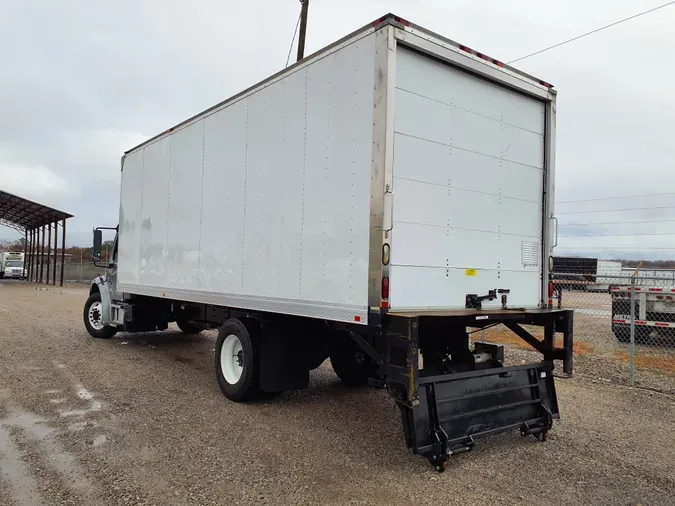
(468, 171)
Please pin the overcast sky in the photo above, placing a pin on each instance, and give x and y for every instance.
(82, 81)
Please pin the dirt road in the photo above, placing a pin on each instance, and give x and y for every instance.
(140, 420)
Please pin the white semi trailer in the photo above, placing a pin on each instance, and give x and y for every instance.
(368, 204)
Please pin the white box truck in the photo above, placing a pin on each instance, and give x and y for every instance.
(11, 265)
(368, 204)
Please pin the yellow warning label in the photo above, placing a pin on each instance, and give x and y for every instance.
(471, 272)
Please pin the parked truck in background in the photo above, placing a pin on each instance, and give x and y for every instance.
(368, 204)
(589, 274)
(654, 312)
(608, 273)
(11, 265)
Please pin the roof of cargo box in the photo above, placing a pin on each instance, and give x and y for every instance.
(388, 19)
(23, 214)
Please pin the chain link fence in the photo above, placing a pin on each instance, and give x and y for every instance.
(81, 272)
(73, 272)
(624, 326)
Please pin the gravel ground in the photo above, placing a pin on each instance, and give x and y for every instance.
(140, 420)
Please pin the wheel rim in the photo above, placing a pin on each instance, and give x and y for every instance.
(94, 316)
(232, 359)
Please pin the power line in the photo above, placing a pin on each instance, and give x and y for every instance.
(614, 223)
(614, 198)
(615, 235)
(290, 49)
(593, 31)
(635, 248)
(616, 210)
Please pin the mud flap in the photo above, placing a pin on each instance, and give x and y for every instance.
(456, 409)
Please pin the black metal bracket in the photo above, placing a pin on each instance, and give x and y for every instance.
(401, 358)
(365, 346)
(465, 447)
(474, 301)
(437, 436)
(547, 347)
(540, 431)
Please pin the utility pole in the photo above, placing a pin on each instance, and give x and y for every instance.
(303, 29)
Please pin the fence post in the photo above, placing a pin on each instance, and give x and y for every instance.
(631, 370)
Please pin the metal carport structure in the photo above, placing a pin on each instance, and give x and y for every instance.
(35, 221)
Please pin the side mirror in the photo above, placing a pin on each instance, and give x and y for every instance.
(98, 241)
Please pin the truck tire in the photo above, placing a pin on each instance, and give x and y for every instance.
(92, 318)
(350, 363)
(188, 327)
(237, 360)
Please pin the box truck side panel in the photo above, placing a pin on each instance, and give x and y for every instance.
(221, 257)
(184, 209)
(263, 203)
(339, 151)
(130, 220)
(468, 188)
(155, 212)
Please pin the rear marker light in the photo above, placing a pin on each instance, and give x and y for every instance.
(485, 57)
(385, 287)
(357, 318)
(386, 254)
(404, 22)
(550, 289)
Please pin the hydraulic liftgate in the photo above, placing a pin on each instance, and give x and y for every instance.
(450, 402)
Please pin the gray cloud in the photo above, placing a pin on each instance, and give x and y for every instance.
(85, 81)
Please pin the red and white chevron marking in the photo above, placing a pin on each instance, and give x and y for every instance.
(646, 289)
(645, 323)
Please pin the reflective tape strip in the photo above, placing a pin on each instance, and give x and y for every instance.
(643, 323)
(642, 289)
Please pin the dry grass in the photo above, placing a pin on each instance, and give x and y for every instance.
(661, 361)
(502, 335)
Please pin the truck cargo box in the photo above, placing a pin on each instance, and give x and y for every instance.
(395, 170)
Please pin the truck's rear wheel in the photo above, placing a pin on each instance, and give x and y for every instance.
(237, 361)
(189, 327)
(93, 320)
(351, 364)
